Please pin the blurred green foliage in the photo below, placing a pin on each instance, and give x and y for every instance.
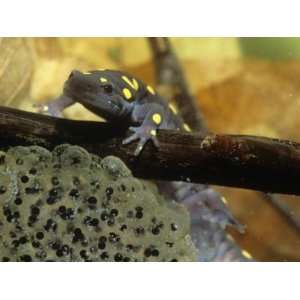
(270, 47)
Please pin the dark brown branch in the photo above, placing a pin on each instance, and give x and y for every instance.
(259, 163)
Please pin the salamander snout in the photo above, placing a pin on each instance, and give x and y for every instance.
(80, 81)
(74, 74)
(78, 84)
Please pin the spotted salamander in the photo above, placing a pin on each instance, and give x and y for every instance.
(119, 97)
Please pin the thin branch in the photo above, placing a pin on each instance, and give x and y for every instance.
(170, 76)
(259, 163)
(284, 209)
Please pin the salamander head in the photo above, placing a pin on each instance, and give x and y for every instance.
(100, 92)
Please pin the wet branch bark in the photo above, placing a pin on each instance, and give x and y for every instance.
(259, 163)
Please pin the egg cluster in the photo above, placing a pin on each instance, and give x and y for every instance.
(69, 205)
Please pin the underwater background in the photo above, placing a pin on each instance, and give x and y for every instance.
(243, 86)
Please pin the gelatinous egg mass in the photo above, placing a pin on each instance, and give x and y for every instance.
(69, 205)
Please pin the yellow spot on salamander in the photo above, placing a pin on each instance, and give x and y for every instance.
(150, 90)
(156, 118)
(127, 94)
(153, 132)
(102, 79)
(101, 69)
(224, 200)
(173, 108)
(134, 84)
(187, 127)
(247, 254)
(87, 73)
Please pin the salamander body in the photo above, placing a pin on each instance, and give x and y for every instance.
(119, 97)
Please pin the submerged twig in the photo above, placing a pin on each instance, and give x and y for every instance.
(284, 209)
(259, 163)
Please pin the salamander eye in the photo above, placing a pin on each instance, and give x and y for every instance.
(108, 88)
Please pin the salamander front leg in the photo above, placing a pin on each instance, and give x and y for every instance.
(143, 134)
(54, 107)
(147, 130)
